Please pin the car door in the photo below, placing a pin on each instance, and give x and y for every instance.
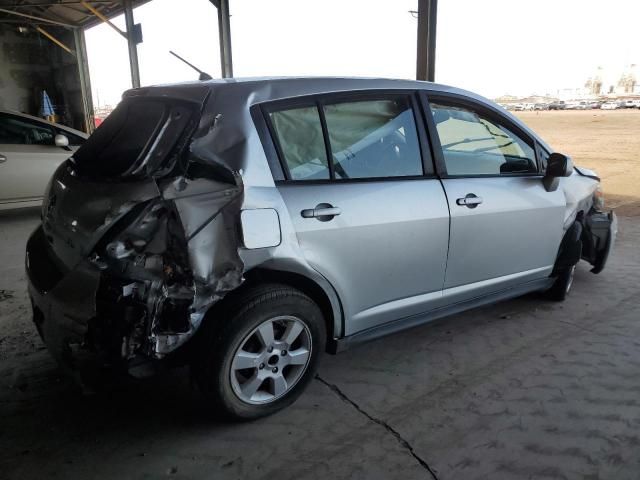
(505, 227)
(369, 213)
(28, 158)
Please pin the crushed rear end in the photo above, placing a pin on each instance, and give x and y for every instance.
(138, 235)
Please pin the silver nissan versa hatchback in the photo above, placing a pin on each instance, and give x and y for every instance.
(246, 226)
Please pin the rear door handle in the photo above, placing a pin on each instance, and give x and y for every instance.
(2, 158)
(470, 200)
(323, 212)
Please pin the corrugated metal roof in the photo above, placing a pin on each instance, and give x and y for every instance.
(62, 12)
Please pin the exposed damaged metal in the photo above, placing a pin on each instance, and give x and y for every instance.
(147, 251)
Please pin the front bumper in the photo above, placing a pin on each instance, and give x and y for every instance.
(605, 252)
(64, 303)
(599, 236)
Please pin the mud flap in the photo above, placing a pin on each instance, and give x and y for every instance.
(599, 235)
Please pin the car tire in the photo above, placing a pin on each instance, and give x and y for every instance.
(258, 356)
(562, 285)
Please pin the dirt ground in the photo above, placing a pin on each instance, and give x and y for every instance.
(607, 141)
(525, 389)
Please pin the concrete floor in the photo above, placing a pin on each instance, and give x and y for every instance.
(526, 389)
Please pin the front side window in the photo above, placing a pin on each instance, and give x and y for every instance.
(18, 131)
(373, 139)
(473, 144)
(299, 135)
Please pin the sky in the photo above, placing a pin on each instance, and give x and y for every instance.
(492, 47)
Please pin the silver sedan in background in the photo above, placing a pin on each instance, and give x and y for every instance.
(30, 151)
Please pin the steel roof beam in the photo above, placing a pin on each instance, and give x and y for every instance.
(33, 17)
(50, 4)
(102, 17)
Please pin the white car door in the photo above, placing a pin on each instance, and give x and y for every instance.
(28, 158)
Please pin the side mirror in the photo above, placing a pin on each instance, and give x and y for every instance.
(61, 140)
(558, 165)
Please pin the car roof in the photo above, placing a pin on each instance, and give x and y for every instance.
(42, 120)
(232, 99)
(253, 90)
(274, 88)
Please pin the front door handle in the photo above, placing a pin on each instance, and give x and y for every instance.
(2, 158)
(323, 212)
(470, 200)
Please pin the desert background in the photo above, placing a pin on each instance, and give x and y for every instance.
(607, 141)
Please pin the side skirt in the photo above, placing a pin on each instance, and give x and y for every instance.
(341, 344)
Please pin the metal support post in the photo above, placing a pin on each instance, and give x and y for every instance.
(426, 51)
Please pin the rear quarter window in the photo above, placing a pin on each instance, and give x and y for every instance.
(301, 143)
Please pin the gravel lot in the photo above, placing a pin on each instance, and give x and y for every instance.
(607, 141)
(525, 389)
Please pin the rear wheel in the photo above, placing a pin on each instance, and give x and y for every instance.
(562, 286)
(259, 357)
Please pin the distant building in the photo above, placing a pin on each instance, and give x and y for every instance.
(594, 84)
(627, 84)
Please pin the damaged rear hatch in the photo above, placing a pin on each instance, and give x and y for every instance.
(109, 269)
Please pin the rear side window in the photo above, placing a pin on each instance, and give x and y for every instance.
(362, 139)
(299, 134)
(373, 139)
(473, 144)
(139, 133)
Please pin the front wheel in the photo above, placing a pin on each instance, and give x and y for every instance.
(259, 357)
(562, 286)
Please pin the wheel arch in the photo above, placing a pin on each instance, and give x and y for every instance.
(570, 249)
(327, 300)
(323, 295)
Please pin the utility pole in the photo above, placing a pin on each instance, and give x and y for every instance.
(426, 48)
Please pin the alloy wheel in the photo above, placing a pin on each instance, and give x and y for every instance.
(270, 360)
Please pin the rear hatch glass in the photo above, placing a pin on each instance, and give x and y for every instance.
(141, 137)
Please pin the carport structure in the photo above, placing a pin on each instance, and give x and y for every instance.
(44, 49)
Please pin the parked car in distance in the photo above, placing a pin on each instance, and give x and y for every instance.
(30, 151)
(631, 103)
(610, 106)
(244, 227)
(577, 105)
(557, 105)
(541, 106)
